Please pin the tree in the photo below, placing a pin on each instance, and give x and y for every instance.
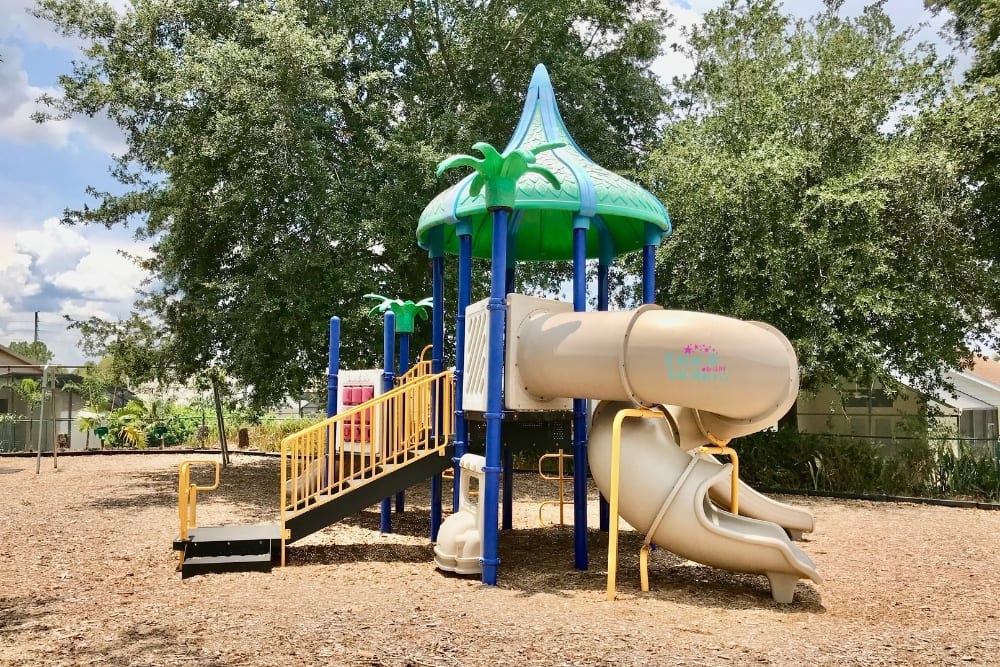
(968, 117)
(976, 23)
(807, 192)
(279, 152)
(36, 351)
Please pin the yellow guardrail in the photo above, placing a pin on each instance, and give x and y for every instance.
(328, 459)
(187, 495)
(420, 369)
(616, 466)
(561, 478)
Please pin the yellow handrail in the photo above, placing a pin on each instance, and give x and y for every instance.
(561, 478)
(187, 495)
(734, 499)
(420, 369)
(616, 465)
(321, 462)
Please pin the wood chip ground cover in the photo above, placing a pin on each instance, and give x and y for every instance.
(87, 578)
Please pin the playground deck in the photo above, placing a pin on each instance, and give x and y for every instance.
(87, 576)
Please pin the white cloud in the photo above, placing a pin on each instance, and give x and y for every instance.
(104, 275)
(53, 247)
(82, 310)
(16, 279)
(17, 21)
(58, 270)
(18, 101)
(671, 63)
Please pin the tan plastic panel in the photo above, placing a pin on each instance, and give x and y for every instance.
(520, 308)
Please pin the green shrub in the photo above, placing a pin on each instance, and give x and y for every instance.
(966, 473)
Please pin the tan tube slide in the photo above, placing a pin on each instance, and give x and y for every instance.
(664, 494)
(732, 377)
(719, 378)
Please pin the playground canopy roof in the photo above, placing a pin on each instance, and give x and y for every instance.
(622, 215)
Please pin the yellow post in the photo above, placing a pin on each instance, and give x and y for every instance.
(187, 496)
(616, 464)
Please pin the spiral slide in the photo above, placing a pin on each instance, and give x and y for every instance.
(717, 377)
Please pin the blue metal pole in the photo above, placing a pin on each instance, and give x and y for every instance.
(649, 263)
(581, 557)
(497, 308)
(603, 267)
(388, 365)
(404, 365)
(333, 369)
(464, 299)
(332, 372)
(507, 516)
(437, 365)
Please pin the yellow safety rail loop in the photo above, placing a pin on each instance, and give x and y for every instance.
(616, 465)
(187, 496)
(734, 501)
(420, 369)
(324, 461)
(561, 478)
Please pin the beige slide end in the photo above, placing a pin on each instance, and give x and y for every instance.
(664, 492)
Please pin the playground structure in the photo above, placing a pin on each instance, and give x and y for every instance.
(671, 382)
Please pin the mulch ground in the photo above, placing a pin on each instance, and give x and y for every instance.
(87, 577)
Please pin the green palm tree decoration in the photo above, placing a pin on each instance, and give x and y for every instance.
(406, 312)
(499, 173)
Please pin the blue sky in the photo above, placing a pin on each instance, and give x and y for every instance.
(44, 169)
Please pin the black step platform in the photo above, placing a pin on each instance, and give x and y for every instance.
(229, 549)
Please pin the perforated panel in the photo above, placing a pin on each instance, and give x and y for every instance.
(477, 335)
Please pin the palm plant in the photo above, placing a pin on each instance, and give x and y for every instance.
(406, 312)
(499, 173)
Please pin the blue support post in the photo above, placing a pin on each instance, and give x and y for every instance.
(332, 373)
(507, 516)
(581, 557)
(603, 267)
(404, 365)
(653, 236)
(437, 365)
(497, 308)
(464, 299)
(388, 365)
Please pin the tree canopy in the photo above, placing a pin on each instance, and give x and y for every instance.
(279, 151)
(812, 187)
(34, 350)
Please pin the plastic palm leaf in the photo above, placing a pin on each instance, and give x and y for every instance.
(499, 173)
(406, 312)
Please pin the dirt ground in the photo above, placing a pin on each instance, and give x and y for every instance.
(87, 577)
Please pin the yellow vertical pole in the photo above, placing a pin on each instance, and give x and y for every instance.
(616, 464)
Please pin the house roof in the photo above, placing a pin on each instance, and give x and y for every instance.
(986, 369)
(11, 361)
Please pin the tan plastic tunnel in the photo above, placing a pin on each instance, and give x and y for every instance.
(733, 377)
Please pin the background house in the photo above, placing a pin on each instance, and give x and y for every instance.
(967, 414)
(19, 418)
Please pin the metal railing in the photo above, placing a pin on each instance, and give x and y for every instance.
(420, 369)
(187, 495)
(326, 460)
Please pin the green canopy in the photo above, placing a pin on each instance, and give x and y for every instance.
(619, 215)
